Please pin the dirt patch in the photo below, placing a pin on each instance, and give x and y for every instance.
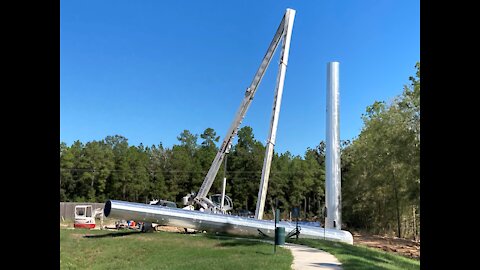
(170, 229)
(404, 247)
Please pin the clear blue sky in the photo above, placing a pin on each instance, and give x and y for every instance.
(147, 70)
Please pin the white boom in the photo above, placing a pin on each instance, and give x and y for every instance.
(283, 31)
(267, 162)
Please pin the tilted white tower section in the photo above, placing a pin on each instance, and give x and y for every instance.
(286, 26)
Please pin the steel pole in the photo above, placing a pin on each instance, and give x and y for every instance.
(332, 183)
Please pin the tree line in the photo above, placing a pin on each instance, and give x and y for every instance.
(380, 170)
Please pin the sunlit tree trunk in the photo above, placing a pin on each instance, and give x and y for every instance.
(397, 204)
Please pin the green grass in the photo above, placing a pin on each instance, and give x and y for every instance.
(361, 257)
(85, 249)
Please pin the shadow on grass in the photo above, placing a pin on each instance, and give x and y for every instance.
(234, 240)
(233, 236)
(114, 234)
(235, 243)
(265, 253)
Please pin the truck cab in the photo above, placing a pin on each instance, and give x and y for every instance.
(84, 217)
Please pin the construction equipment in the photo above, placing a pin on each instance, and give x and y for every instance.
(163, 203)
(85, 216)
(284, 33)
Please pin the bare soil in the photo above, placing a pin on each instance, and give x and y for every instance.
(400, 246)
(170, 229)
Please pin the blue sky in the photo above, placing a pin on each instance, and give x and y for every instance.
(147, 70)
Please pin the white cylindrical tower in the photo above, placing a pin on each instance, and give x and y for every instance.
(333, 193)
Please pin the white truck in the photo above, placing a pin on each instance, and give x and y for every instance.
(85, 216)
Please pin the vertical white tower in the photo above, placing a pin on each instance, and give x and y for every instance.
(332, 163)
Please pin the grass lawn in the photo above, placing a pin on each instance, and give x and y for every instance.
(85, 249)
(361, 257)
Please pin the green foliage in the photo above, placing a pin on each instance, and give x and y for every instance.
(67, 164)
(381, 187)
(245, 168)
